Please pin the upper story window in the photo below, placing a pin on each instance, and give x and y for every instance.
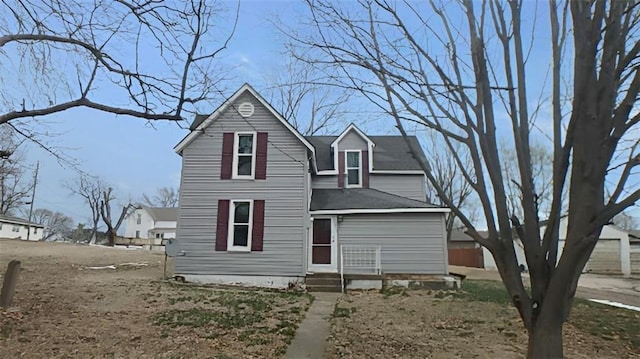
(353, 168)
(244, 155)
(139, 219)
(240, 223)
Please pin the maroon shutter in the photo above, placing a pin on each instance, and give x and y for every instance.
(261, 156)
(222, 229)
(257, 233)
(365, 169)
(226, 167)
(340, 169)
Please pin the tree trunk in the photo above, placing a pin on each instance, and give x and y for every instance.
(112, 238)
(545, 340)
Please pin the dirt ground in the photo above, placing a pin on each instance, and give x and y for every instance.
(424, 324)
(64, 309)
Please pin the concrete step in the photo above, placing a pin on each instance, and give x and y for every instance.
(323, 281)
(323, 275)
(324, 288)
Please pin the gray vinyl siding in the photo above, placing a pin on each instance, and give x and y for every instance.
(410, 186)
(285, 192)
(405, 185)
(352, 141)
(411, 243)
(324, 182)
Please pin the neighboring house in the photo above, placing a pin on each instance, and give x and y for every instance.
(464, 251)
(260, 204)
(634, 252)
(612, 254)
(18, 228)
(153, 223)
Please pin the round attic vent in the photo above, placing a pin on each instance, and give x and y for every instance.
(245, 109)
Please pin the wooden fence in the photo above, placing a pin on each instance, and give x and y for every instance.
(466, 257)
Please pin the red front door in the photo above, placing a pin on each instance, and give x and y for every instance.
(321, 246)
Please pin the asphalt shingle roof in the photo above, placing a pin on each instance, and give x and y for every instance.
(361, 198)
(391, 153)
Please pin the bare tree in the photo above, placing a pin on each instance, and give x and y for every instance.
(148, 59)
(626, 221)
(105, 212)
(465, 70)
(542, 173)
(450, 179)
(311, 108)
(14, 187)
(90, 189)
(164, 197)
(56, 224)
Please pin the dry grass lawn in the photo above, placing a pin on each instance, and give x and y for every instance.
(65, 310)
(478, 323)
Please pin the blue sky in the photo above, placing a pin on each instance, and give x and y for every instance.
(137, 158)
(128, 153)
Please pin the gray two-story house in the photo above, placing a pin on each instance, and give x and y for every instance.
(262, 205)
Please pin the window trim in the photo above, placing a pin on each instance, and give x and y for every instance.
(231, 227)
(347, 168)
(236, 145)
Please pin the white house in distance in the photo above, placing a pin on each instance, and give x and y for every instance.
(18, 228)
(155, 223)
(613, 253)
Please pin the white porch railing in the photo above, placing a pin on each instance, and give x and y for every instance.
(359, 259)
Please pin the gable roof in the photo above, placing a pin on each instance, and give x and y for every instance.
(18, 221)
(203, 121)
(168, 214)
(391, 154)
(339, 199)
(458, 235)
(354, 128)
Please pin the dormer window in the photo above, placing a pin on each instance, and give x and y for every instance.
(244, 154)
(353, 168)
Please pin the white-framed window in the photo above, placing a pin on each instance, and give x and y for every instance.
(244, 155)
(15, 229)
(240, 225)
(139, 219)
(353, 168)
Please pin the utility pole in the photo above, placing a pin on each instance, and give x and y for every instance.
(33, 195)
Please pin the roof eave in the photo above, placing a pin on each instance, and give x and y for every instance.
(246, 87)
(379, 211)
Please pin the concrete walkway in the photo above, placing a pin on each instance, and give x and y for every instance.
(311, 336)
